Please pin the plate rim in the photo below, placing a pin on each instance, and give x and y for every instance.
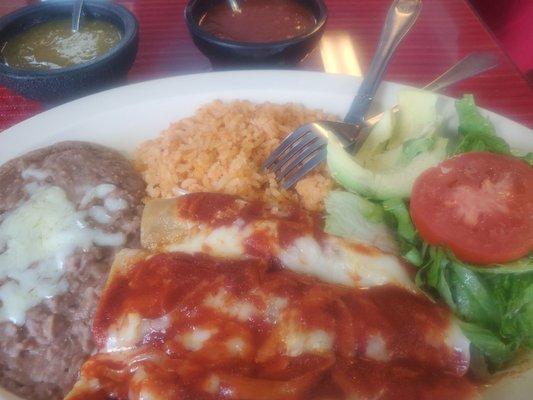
(101, 100)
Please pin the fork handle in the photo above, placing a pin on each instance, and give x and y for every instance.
(473, 64)
(400, 18)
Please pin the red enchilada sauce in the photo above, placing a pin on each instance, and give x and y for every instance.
(260, 21)
(217, 209)
(250, 309)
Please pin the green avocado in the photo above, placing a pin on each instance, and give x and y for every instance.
(399, 148)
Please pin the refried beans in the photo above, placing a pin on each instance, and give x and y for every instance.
(43, 347)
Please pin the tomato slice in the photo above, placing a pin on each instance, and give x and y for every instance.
(479, 205)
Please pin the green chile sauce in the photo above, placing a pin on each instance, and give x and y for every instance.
(53, 45)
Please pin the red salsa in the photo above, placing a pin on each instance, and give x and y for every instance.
(260, 21)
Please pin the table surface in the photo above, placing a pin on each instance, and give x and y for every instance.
(446, 31)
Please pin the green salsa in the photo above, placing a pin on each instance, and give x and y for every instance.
(53, 45)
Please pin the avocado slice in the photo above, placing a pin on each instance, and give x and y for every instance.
(377, 140)
(400, 149)
(396, 182)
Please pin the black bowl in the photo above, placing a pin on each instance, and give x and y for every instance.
(228, 52)
(56, 85)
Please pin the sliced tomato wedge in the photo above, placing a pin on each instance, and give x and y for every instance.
(479, 205)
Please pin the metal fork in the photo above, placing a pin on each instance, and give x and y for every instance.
(290, 170)
(305, 148)
(471, 65)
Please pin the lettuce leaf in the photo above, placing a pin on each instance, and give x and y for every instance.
(397, 216)
(528, 158)
(476, 132)
(414, 147)
(495, 302)
(354, 217)
(486, 342)
(401, 219)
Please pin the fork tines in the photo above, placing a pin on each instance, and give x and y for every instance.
(297, 155)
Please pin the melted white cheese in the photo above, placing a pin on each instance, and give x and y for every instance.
(336, 262)
(36, 239)
(37, 174)
(131, 328)
(101, 238)
(115, 204)
(32, 187)
(307, 256)
(124, 333)
(212, 384)
(100, 215)
(148, 393)
(96, 192)
(274, 309)
(224, 241)
(455, 339)
(236, 346)
(298, 342)
(223, 303)
(376, 348)
(160, 324)
(195, 339)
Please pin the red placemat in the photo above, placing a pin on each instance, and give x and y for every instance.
(445, 32)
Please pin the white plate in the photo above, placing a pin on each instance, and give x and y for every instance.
(123, 117)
